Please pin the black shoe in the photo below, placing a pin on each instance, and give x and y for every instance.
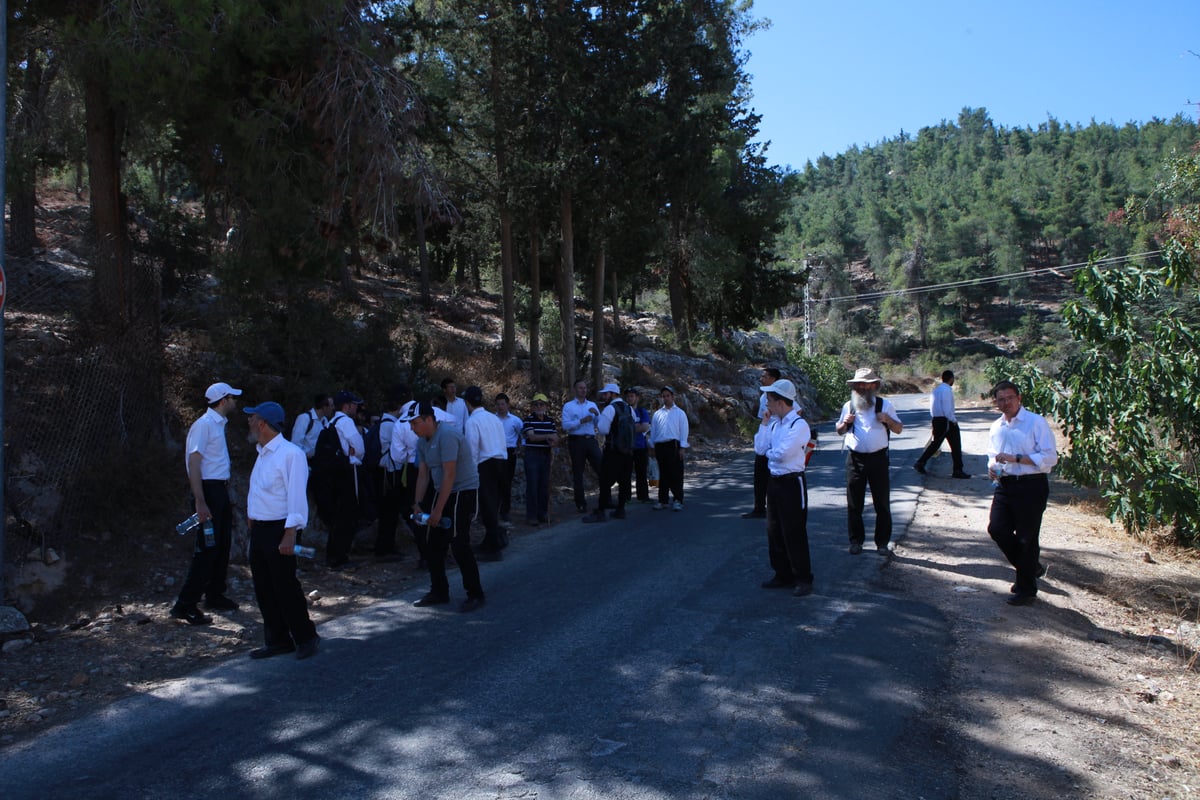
(755, 514)
(581, 507)
(919, 467)
(883, 550)
(220, 603)
(1020, 599)
(489, 555)
(543, 520)
(958, 473)
(431, 599)
(272, 650)
(191, 615)
(472, 604)
(309, 648)
(855, 548)
(777, 583)
(595, 516)
(619, 514)
(338, 565)
(802, 589)
(533, 523)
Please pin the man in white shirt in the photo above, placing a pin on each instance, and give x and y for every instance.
(945, 427)
(669, 438)
(207, 463)
(1021, 453)
(308, 426)
(761, 473)
(615, 466)
(579, 417)
(455, 405)
(782, 439)
(868, 422)
(277, 505)
(513, 426)
(345, 480)
(485, 436)
(388, 475)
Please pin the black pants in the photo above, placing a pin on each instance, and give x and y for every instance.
(787, 527)
(461, 507)
(510, 472)
(863, 470)
(1015, 525)
(615, 468)
(390, 492)
(345, 517)
(583, 450)
(762, 474)
(280, 598)
(670, 471)
(944, 431)
(641, 463)
(491, 480)
(210, 565)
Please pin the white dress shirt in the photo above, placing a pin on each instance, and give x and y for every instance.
(279, 484)
(458, 409)
(513, 426)
(575, 411)
(784, 442)
(941, 402)
(868, 434)
(669, 424)
(1028, 435)
(350, 437)
(207, 437)
(403, 446)
(307, 428)
(485, 434)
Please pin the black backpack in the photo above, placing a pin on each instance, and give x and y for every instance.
(328, 454)
(373, 444)
(291, 429)
(621, 433)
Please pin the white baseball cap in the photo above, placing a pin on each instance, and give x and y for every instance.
(219, 390)
(783, 388)
(611, 387)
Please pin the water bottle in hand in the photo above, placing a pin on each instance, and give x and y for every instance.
(423, 519)
(304, 552)
(188, 525)
(210, 535)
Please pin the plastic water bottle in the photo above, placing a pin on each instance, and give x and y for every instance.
(305, 552)
(423, 519)
(210, 535)
(999, 474)
(188, 525)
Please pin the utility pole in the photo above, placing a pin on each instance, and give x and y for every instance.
(810, 325)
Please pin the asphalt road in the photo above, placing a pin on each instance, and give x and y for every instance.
(623, 660)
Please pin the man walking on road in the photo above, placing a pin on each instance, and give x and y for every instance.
(782, 439)
(868, 421)
(1021, 453)
(945, 427)
(669, 438)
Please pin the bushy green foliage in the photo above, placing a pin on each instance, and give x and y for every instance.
(826, 373)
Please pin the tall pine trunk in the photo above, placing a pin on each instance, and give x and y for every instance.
(598, 317)
(566, 286)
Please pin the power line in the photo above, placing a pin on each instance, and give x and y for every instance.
(1067, 268)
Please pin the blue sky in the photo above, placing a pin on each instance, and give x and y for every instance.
(828, 75)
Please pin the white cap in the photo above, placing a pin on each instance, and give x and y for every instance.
(219, 390)
(611, 387)
(783, 388)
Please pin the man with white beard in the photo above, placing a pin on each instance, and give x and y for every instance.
(868, 421)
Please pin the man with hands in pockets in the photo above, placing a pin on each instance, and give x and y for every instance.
(782, 439)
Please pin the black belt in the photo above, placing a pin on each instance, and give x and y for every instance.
(787, 476)
(668, 441)
(1019, 478)
(872, 453)
(583, 436)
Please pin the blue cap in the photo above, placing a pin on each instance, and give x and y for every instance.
(271, 413)
(341, 398)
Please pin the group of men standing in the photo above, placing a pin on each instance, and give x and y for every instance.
(1021, 453)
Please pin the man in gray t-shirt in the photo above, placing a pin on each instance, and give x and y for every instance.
(446, 459)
